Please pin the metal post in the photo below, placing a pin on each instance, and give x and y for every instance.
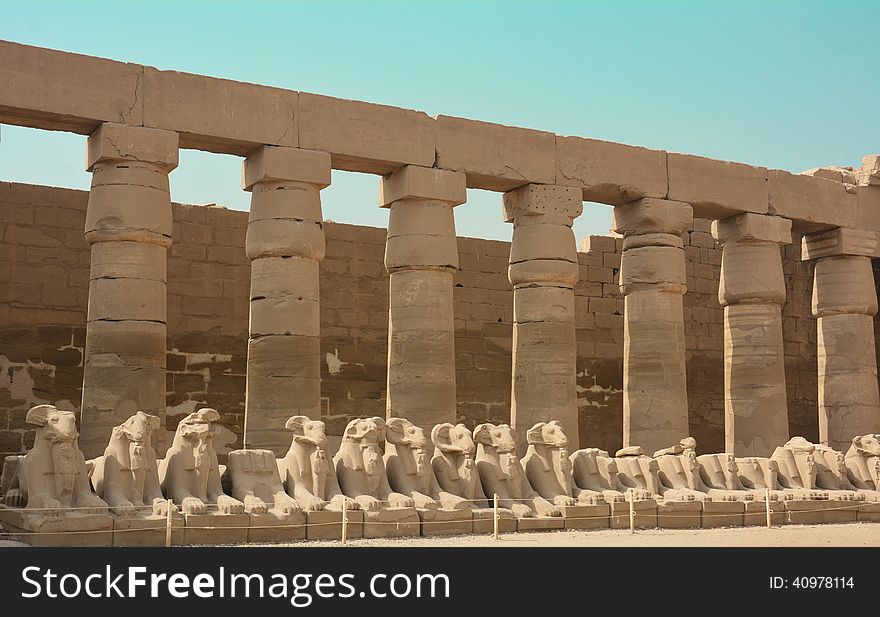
(344, 519)
(495, 514)
(632, 512)
(767, 505)
(170, 505)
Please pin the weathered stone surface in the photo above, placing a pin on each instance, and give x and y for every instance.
(391, 523)
(651, 215)
(363, 136)
(679, 514)
(752, 228)
(219, 115)
(273, 164)
(215, 528)
(716, 188)
(57, 90)
(423, 184)
(119, 142)
(839, 242)
(38, 530)
(609, 172)
(495, 157)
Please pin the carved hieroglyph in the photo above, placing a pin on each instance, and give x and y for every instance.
(653, 283)
(308, 472)
(189, 473)
(52, 476)
(360, 468)
(548, 467)
(501, 472)
(127, 475)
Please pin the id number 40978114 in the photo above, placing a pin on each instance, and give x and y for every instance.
(812, 582)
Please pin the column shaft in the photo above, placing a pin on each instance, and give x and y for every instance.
(652, 280)
(752, 292)
(421, 255)
(128, 224)
(285, 242)
(844, 304)
(543, 271)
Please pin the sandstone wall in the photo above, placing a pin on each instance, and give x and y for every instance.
(44, 264)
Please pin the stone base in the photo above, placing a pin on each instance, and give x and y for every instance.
(869, 512)
(391, 523)
(146, 530)
(39, 530)
(215, 528)
(756, 513)
(586, 517)
(484, 521)
(540, 523)
(275, 526)
(724, 513)
(804, 511)
(327, 525)
(841, 511)
(440, 522)
(646, 514)
(679, 514)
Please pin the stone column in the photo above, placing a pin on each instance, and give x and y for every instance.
(844, 304)
(652, 281)
(421, 255)
(128, 224)
(752, 292)
(543, 271)
(285, 243)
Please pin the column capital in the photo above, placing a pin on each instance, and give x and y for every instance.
(119, 142)
(650, 216)
(842, 241)
(281, 164)
(750, 227)
(414, 183)
(563, 202)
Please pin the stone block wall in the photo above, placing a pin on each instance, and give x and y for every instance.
(44, 266)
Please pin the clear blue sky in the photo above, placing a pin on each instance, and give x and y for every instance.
(784, 84)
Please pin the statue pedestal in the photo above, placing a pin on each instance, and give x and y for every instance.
(840, 511)
(442, 522)
(679, 514)
(646, 514)
(869, 511)
(756, 513)
(391, 523)
(725, 513)
(275, 526)
(38, 530)
(215, 528)
(586, 516)
(804, 511)
(540, 523)
(484, 522)
(327, 524)
(146, 530)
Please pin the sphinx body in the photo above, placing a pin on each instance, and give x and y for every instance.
(501, 472)
(718, 475)
(189, 474)
(548, 467)
(308, 472)
(253, 476)
(595, 472)
(797, 469)
(53, 475)
(126, 476)
(453, 463)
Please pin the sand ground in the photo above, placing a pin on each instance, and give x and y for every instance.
(852, 534)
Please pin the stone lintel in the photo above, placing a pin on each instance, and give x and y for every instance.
(111, 141)
(423, 183)
(752, 227)
(650, 215)
(841, 241)
(281, 164)
(534, 199)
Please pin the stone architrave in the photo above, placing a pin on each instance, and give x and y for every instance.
(543, 271)
(285, 243)
(128, 224)
(844, 304)
(653, 282)
(752, 292)
(421, 256)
